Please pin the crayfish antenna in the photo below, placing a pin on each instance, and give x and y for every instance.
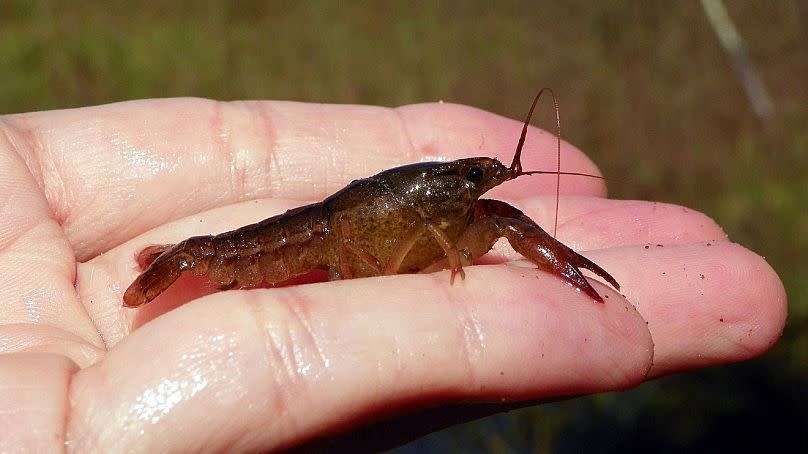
(516, 164)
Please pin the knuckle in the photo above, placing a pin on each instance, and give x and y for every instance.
(291, 352)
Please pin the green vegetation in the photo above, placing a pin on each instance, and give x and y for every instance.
(645, 89)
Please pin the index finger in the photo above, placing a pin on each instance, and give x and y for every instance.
(269, 369)
(112, 172)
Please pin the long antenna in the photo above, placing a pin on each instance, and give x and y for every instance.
(516, 164)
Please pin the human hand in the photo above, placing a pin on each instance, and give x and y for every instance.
(81, 191)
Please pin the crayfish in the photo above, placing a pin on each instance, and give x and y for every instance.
(418, 218)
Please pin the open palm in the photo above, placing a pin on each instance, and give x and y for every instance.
(81, 191)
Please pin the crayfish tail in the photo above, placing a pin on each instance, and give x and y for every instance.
(149, 254)
(163, 270)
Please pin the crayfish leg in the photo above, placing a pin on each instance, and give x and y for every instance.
(451, 250)
(453, 259)
(347, 244)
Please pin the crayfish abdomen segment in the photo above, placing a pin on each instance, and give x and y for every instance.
(272, 251)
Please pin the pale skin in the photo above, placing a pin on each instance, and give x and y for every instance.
(82, 190)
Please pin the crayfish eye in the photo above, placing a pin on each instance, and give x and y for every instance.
(474, 174)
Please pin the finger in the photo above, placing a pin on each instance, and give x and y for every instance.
(38, 304)
(112, 172)
(706, 303)
(271, 368)
(33, 408)
(587, 223)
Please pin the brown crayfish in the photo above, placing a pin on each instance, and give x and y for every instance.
(418, 218)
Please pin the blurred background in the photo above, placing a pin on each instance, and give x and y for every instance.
(660, 94)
